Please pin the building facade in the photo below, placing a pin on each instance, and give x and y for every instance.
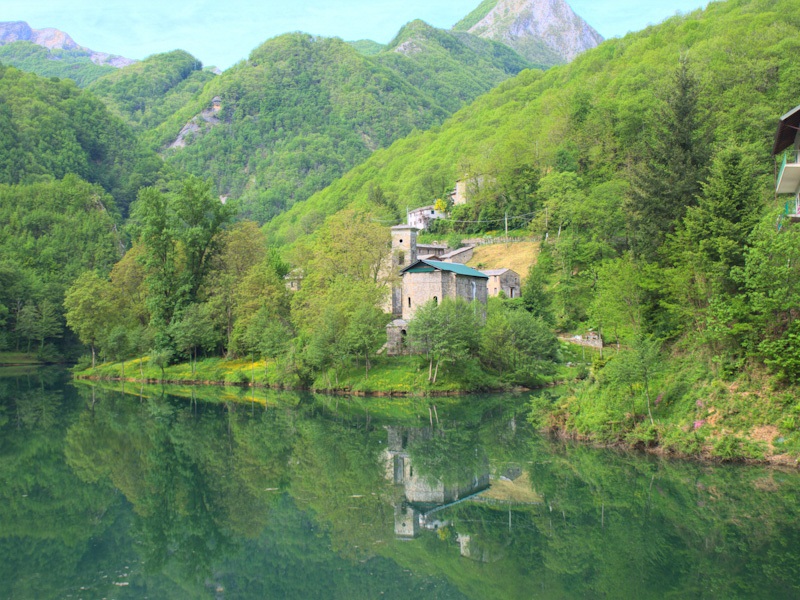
(422, 216)
(503, 280)
(427, 280)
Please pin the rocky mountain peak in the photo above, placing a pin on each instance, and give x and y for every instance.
(54, 39)
(525, 24)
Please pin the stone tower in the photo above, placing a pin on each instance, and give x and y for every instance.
(404, 246)
(404, 253)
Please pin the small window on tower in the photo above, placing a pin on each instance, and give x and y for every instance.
(401, 258)
(401, 241)
(409, 302)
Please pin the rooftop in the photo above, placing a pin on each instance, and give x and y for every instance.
(403, 227)
(787, 130)
(456, 268)
(457, 252)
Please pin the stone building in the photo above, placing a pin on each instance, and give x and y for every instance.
(435, 280)
(422, 216)
(503, 280)
(433, 251)
(427, 280)
(461, 255)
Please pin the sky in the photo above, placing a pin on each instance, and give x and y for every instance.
(222, 32)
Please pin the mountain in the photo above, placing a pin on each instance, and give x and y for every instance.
(452, 67)
(591, 115)
(53, 53)
(49, 129)
(367, 47)
(543, 31)
(303, 110)
(147, 93)
(676, 121)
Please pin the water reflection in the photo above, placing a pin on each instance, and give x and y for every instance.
(203, 493)
(422, 495)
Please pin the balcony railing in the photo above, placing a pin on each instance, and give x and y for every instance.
(789, 174)
(793, 209)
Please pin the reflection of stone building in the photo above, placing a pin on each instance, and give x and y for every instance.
(421, 496)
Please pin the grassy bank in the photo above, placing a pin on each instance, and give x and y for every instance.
(396, 375)
(692, 411)
(402, 375)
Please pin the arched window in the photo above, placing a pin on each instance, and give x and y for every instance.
(409, 302)
(436, 301)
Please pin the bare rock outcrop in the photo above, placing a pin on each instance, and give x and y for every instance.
(522, 24)
(54, 39)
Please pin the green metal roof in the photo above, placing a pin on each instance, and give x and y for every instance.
(456, 268)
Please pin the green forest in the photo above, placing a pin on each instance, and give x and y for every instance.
(154, 216)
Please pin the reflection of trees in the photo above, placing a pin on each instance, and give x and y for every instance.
(47, 515)
(197, 476)
(452, 456)
(338, 474)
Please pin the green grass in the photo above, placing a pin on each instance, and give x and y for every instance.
(209, 370)
(408, 375)
(389, 375)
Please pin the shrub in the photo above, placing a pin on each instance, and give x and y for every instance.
(239, 377)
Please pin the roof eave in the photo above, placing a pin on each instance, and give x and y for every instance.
(787, 130)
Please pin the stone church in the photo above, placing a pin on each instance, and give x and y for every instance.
(423, 280)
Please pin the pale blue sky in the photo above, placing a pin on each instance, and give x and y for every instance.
(221, 32)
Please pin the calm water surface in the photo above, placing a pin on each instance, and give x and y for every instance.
(216, 493)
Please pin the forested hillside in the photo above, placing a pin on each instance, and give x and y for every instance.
(146, 93)
(454, 68)
(68, 171)
(301, 111)
(75, 64)
(49, 129)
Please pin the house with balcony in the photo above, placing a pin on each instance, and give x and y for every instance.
(787, 140)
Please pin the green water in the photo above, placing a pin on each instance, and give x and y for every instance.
(145, 494)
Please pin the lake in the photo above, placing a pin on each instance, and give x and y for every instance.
(210, 492)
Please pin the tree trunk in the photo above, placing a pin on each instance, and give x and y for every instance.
(436, 372)
(93, 356)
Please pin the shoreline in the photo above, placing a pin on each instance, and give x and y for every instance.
(770, 459)
(331, 392)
